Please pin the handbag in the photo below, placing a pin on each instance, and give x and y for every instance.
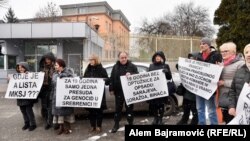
(180, 90)
(223, 100)
(171, 87)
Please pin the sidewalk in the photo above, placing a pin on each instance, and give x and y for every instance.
(3, 87)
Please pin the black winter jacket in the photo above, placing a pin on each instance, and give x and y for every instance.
(241, 77)
(98, 72)
(120, 70)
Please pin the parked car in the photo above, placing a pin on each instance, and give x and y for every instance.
(172, 102)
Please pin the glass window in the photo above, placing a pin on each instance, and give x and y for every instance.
(11, 62)
(42, 49)
(30, 49)
(1, 61)
(109, 69)
(53, 49)
(142, 69)
(31, 60)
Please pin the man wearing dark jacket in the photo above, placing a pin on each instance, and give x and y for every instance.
(121, 68)
(210, 55)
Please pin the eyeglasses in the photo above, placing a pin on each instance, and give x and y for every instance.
(224, 51)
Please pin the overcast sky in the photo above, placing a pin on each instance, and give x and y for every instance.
(134, 10)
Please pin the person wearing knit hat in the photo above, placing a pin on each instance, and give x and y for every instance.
(209, 55)
(206, 40)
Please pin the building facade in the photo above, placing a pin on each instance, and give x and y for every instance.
(30, 41)
(112, 25)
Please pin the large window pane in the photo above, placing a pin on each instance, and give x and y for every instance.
(42, 49)
(1, 61)
(30, 49)
(31, 60)
(11, 62)
(53, 49)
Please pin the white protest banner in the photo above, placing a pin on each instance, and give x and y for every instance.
(24, 85)
(144, 86)
(199, 77)
(243, 107)
(76, 92)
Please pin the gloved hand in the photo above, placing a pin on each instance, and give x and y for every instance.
(62, 75)
(81, 77)
(106, 80)
(165, 70)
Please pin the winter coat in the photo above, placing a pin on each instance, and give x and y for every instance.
(227, 75)
(47, 69)
(24, 102)
(212, 58)
(157, 66)
(241, 77)
(60, 111)
(98, 72)
(120, 70)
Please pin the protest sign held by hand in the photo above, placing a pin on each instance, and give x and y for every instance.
(24, 85)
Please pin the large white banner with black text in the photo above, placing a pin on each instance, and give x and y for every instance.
(76, 92)
(243, 108)
(24, 85)
(198, 77)
(144, 86)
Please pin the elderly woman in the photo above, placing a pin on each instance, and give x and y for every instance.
(96, 70)
(241, 77)
(63, 116)
(231, 62)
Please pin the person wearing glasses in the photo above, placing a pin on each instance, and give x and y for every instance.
(231, 62)
(210, 55)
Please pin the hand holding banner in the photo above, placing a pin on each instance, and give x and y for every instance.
(24, 85)
(243, 107)
(144, 86)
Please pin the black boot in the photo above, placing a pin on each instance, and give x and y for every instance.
(194, 120)
(159, 121)
(115, 128)
(32, 127)
(47, 126)
(26, 126)
(155, 121)
(130, 120)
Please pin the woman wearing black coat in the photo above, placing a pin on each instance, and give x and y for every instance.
(96, 70)
(157, 105)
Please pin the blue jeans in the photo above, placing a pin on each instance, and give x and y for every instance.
(201, 104)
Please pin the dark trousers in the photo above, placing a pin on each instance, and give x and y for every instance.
(119, 101)
(46, 104)
(226, 117)
(28, 114)
(157, 109)
(95, 117)
(189, 105)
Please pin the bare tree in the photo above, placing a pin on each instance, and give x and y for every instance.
(49, 13)
(186, 20)
(3, 3)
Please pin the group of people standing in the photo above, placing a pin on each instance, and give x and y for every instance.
(235, 73)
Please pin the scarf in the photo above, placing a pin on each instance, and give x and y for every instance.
(229, 60)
